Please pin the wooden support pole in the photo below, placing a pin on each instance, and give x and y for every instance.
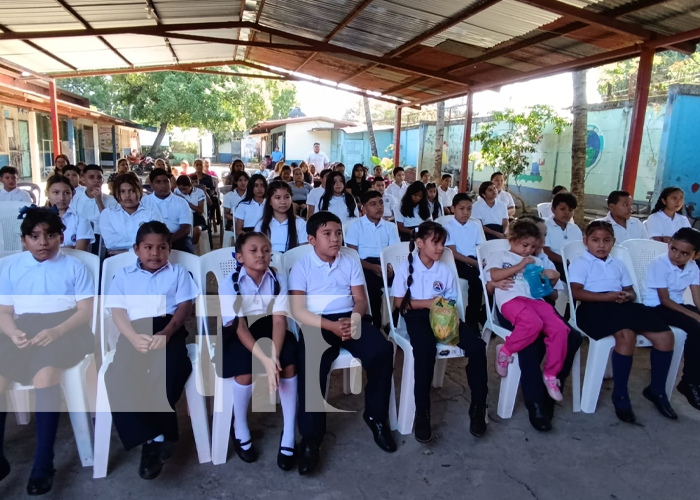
(641, 97)
(55, 130)
(466, 142)
(397, 138)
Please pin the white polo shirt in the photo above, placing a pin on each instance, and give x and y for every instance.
(599, 276)
(389, 205)
(506, 198)
(232, 199)
(397, 191)
(428, 283)
(63, 277)
(119, 228)
(557, 237)
(148, 295)
(661, 273)
(318, 160)
(337, 206)
(174, 210)
(327, 286)
(521, 288)
(79, 189)
(409, 222)
(634, 230)
(465, 237)
(250, 212)
(255, 298)
(314, 197)
(279, 233)
(489, 215)
(195, 196)
(661, 225)
(371, 238)
(87, 207)
(77, 228)
(445, 197)
(16, 194)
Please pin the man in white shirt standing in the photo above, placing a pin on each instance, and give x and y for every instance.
(318, 159)
(9, 190)
(503, 196)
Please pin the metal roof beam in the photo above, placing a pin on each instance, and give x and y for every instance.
(40, 49)
(152, 7)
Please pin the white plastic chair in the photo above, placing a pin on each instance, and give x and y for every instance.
(544, 210)
(11, 236)
(599, 350)
(396, 255)
(193, 388)
(74, 380)
(347, 224)
(33, 189)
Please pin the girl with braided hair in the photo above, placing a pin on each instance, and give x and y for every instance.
(253, 307)
(417, 282)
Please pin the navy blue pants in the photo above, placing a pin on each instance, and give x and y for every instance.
(691, 353)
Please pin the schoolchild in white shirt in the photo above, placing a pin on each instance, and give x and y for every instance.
(92, 202)
(667, 216)
(196, 199)
(120, 223)
(337, 200)
(398, 187)
(603, 286)
(434, 203)
(369, 236)
(9, 190)
(560, 229)
(418, 281)
(446, 193)
(546, 211)
(390, 203)
(254, 307)
(667, 278)
(503, 196)
(314, 197)
(73, 173)
(620, 217)
(492, 213)
(46, 302)
(151, 365)
(279, 222)
(250, 209)
(328, 298)
(463, 236)
(413, 210)
(235, 196)
(77, 233)
(174, 210)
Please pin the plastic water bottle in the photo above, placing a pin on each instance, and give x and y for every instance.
(540, 285)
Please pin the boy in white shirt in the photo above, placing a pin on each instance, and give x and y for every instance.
(328, 300)
(174, 209)
(397, 188)
(620, 217)
(560, 230)
(91, 202)
(445, 192)
(390, 203)
(10, 191)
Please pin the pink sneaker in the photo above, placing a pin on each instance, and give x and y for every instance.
(552, 385)
(502, 361)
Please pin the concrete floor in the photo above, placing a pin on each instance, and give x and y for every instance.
(585, 456)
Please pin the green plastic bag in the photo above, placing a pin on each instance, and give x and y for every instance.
(444, 320)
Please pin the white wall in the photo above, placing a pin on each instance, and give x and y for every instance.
(300, 142)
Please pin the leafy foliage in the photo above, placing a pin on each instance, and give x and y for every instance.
(508, 152)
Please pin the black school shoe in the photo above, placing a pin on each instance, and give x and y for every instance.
(691, 393)
(422, 431)
(153, 456)
(249, 455)
(477, 414)
(382, 434)
(538, 416)
(4, 468)
(308, 457)
(623, 410)
(285, 462)
(39, 485)
(661, 402)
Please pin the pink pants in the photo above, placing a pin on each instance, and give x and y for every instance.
(530, 317)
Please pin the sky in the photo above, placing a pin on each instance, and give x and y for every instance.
(557, 91)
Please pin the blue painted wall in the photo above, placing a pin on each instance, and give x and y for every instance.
(4, 160)
(225, 157)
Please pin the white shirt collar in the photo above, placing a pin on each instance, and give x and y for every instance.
(136, 267)
(592, 258)
(31, 261)
(319, 263)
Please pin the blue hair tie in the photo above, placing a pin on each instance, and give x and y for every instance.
(30, 208)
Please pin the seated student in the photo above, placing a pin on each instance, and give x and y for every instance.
(358, 182)
(314, 197)
(425, 177)
(342, 323)
(620, 217)
(503, 196)
(389, 201)
(398, 187)
(151, 365)
(195, 198)
(174, 210)
(257, 294)
(413, 211)
(604, 287)
(446, 193)
(667, 278)
(120, 223)
(560, 230)
(10, 191)
(41, 336)
(369, 236)
(92, 202)
(300, 191)
(434, 203)
(250, 209)
(284, 229)
(122, 168)
(418, 281)
(286, 174)
(547, 210)
(78, 233)
(240, 181)
(59, 162)
(463, 238)
(73, 173)
(492, 213)
(667, 216)
(337, 200)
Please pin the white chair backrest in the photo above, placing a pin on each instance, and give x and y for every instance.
(225, 189)
(92, 262)
(484, 253)
(444, 219)
(642, 252)
(544, 210)
(110, 266)
(347, 224)
(11, 234)
(33, 189)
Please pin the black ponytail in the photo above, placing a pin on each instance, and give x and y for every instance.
(268, 213)
(409, 280)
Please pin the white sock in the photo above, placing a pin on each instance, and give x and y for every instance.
(241, 400)
(288, 398)
(159, 439)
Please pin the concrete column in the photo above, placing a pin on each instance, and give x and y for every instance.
(34, 151)
(96, 142)
(115, 149)
(71, 142)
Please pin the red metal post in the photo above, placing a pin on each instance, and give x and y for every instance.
(397, 138)
(54, 120)
(641, 96)
(466, 142)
